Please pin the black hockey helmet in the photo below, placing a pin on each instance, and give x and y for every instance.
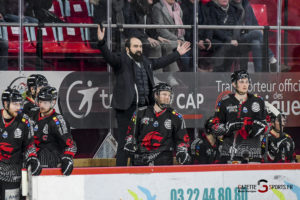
(47, 93)
(162, 87)
(11, 95)
(278, 117)
(208, 125)
(240, 74)
(36, 80)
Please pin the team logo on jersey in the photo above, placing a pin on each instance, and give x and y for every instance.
(18, 133)
(168, 124)
(145, 120)
(155, 124)
(45, 129)
(208, 152)
(36, 128)
(5, 134)
(232, 108)
(255, 107)
(245, 110)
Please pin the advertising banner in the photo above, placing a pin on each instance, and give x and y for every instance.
(179, 184)
(84, 97)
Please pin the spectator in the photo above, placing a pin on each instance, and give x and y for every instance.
(154, 132)
(100, 16)
(3, 46)
(168, 12)
(250, 40)
(225, 42)
(204, 42)
(141, 13)
(9, 10)
(134, 82)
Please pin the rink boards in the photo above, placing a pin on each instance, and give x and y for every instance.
(205, 182)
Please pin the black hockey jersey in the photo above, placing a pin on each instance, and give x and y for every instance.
(158, 132)
(29, 106)
(281, 149)
(53, 138)
(203, 152)
(16, 145)
(251, 115)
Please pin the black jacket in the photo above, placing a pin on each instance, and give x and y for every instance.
(188, 19)
(123, 68)
(218, 16)
(137, 16)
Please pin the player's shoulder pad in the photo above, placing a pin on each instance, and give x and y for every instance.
(225, 97)
(25, 119)
(143, 108)
(174, 112)
(287, 135)
(58, 119)
(259, 97)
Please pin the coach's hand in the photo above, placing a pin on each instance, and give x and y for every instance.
(100, 33)
(184, 47)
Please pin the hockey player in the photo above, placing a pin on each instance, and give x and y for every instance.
(281, 147)
(55, 145)
(155, 131)
(205, 149)
(16, 145)
(240, 118)
(34, 83)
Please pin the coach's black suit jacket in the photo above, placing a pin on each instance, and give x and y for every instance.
(123, 67)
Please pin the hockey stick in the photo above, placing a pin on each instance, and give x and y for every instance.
(233, 149)
(27, 183)
(136, 117)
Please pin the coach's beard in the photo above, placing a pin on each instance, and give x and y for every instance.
(138, 56)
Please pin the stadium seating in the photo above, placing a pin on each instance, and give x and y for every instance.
(13, 41)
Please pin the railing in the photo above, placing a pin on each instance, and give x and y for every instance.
(121, 27)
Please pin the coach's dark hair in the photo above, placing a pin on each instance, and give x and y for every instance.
(128, 42)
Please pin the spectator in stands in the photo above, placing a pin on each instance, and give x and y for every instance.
(168, 12)
(3, 46)
(204, 43)
(100, 16)
(225, 42)
(140, 12)
(9, 9)
(250, 40)
(134, 82)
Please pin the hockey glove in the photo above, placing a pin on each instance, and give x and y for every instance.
(182, 156)
(234, 126)
(130, 147)
(259, 128)
(66, 165)
(36, 168)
